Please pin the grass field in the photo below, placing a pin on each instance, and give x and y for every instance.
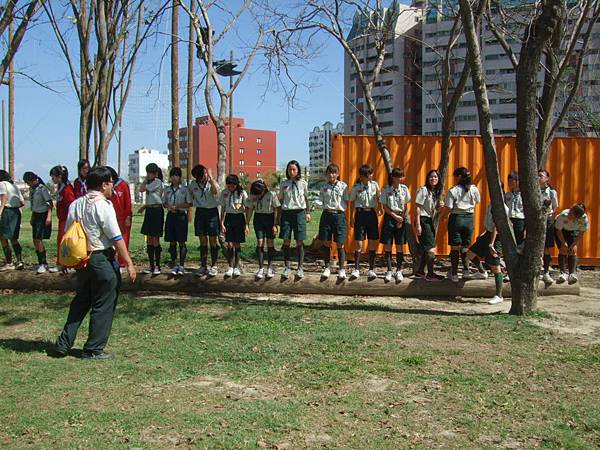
(228, 372)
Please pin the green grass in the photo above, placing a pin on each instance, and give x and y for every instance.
(228, 372)
(137, 246)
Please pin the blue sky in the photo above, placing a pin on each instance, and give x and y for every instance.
(46, 123)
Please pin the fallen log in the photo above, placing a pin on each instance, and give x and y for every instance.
(311, 284)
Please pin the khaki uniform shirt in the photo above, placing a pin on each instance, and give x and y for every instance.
(202, 195)
(177, 196)
(564, 223)
(293, 194)
(395, 199)
(154, 193)
(265, 205)
(40, 199)
(14, 198)
(427, 202)
(334, 196)
(365, 196)
(550, 194)
(462, 201)
(514, 201)
(233, 202)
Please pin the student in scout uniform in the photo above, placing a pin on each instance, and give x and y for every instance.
(41, 217)
(11, 202)
(334, 197)
(487, 247)
(295, 213)
(266, 208)
(121, 200)
(569, 227)
(428, 203)
(514, 201)
(177, 200)
(205, 195)
(65, 195)
(99, 282)
(460, 204)
(550, 203)
(233, 222)
(365, 199)
(394, 199)
(154, 216)
(83, 168)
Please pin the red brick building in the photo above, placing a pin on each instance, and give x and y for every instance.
(254, 151)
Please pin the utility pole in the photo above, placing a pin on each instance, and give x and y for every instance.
(190, 95)
(175, 84)
(231, 114)
(11, 105)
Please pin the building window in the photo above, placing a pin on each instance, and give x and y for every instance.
(242, 139)
(241, 151)
(241, 174)
(258, 151)
(258, 175)
(259, 163)
(242, 162)
(259, 140)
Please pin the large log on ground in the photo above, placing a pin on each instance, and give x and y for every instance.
(311, 284)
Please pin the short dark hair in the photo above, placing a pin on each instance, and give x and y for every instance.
(113, 174)
(97, 176)
(175, 172)
(60, 171)
(153, 168)
(293, 162)
(198, 171)
(30, 176)
(5, 176)
(258, 187)
(365, 170)
(332, 168)
(578, 210)
(513, 176)
(234, 179)
(464, 177)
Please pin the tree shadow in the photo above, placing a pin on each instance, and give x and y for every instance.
(16, 321)
(24, 346)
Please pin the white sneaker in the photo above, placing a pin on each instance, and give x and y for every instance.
(355, 274)
(387, 277)
(562, 278)
(573, 278)
(270, 273)
(237, 272)
(546, 278)
(212, 272)
(42, 268)
(229, 272)
(156, 271)
(260, 273)
(175, 270)
(496, 300)
(6, 267)
(326, 272)
(300, 273)
(54, 269)
(479, 276)
(342, 274)
(399, 276)
(286, 273)
(371, 275)
(181, 271)
(148, 270)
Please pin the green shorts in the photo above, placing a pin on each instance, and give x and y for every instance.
(176, 227)
(366, 225)
(332, 226)
(206, 222)
(569, 236)
(549, 233)
(263, 225)
(154, 221)
(519, 230)
(391, 233)
(39, 228)
(481, 248)
(10, 223)
(235, 228)
(293, 220)
(427, 238)
(460, 229)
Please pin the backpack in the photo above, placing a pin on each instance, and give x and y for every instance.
(72, 250)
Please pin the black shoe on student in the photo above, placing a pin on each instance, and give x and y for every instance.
(56, 353)
(101, 356)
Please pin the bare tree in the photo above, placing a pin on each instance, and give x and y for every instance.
(175, 84)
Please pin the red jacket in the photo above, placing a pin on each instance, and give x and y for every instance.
(121, 200)
(80, 187)
(64, 197)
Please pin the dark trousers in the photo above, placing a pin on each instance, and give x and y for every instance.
(97, 291)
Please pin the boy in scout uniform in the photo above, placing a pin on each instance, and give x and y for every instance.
(365, 199)
(41, 217)
(514, 201)
(205, 195)
(177, 200)
(233, 222)
(265, 206)
(11, 201)
(394, 199)
(334, 197)
(569, 228)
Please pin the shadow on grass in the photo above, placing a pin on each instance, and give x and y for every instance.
(24, 346)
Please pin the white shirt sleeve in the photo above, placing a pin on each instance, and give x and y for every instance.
(408, 197)
(70, 215)
(450, 199)
(476, 195)
(107, 218)
(3, 189)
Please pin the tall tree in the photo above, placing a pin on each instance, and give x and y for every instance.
(175, 152)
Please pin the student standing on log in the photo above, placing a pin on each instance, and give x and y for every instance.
(267, 209)
(65, 195)
(205, 195)
(233, 222)
(365, 199)
(569, 228)
(550, 203)
(177, 199)
(121, 200)
(154, 215)
(514, 201)
(428, 204)
(41, 218)
(99, 282)
(83, 168)
(334, 197)
(295, 213)
(11, 202)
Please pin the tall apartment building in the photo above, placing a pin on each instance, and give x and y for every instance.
(319, 146)
(254, 151)
(396, 92)
(140, 158)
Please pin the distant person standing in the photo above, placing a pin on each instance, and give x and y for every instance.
(83, 168)
(65, 195)
(121, 200)
(99, 282)
(11, 202)
(41, 217)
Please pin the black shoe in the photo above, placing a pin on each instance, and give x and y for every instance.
(101, 356)
(55, 353)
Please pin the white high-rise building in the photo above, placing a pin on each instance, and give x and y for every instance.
(319, 146)
(139, 159)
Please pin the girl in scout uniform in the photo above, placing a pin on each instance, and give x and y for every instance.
(460, 204)
(177, 200)
(295, 213)
(514, 201)
(41, 217)
(428, 203)
(569, 227)
(394, 198)
(154, 216)
(205, 196)
(65, 195)
(233, 222)
(83, 168)
(550, 203)
(334, 197)
(266, 208)
(365, 199)
(121, 200)
(11, 202)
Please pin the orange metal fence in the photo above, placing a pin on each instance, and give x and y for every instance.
(574, 166)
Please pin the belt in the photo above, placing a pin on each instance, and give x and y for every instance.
(154, 206)
(462, 214)
(365, 209)
(106, 252)
(333, 211)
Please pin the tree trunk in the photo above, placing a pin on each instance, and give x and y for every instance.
(190, 98)
(175, 85)
(381, 145)
(85, 113)
(221, 152)
(11, 105)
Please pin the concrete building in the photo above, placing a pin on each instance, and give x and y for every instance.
(254, 151)
(319, 146)
(139, 159)
(396, 92)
